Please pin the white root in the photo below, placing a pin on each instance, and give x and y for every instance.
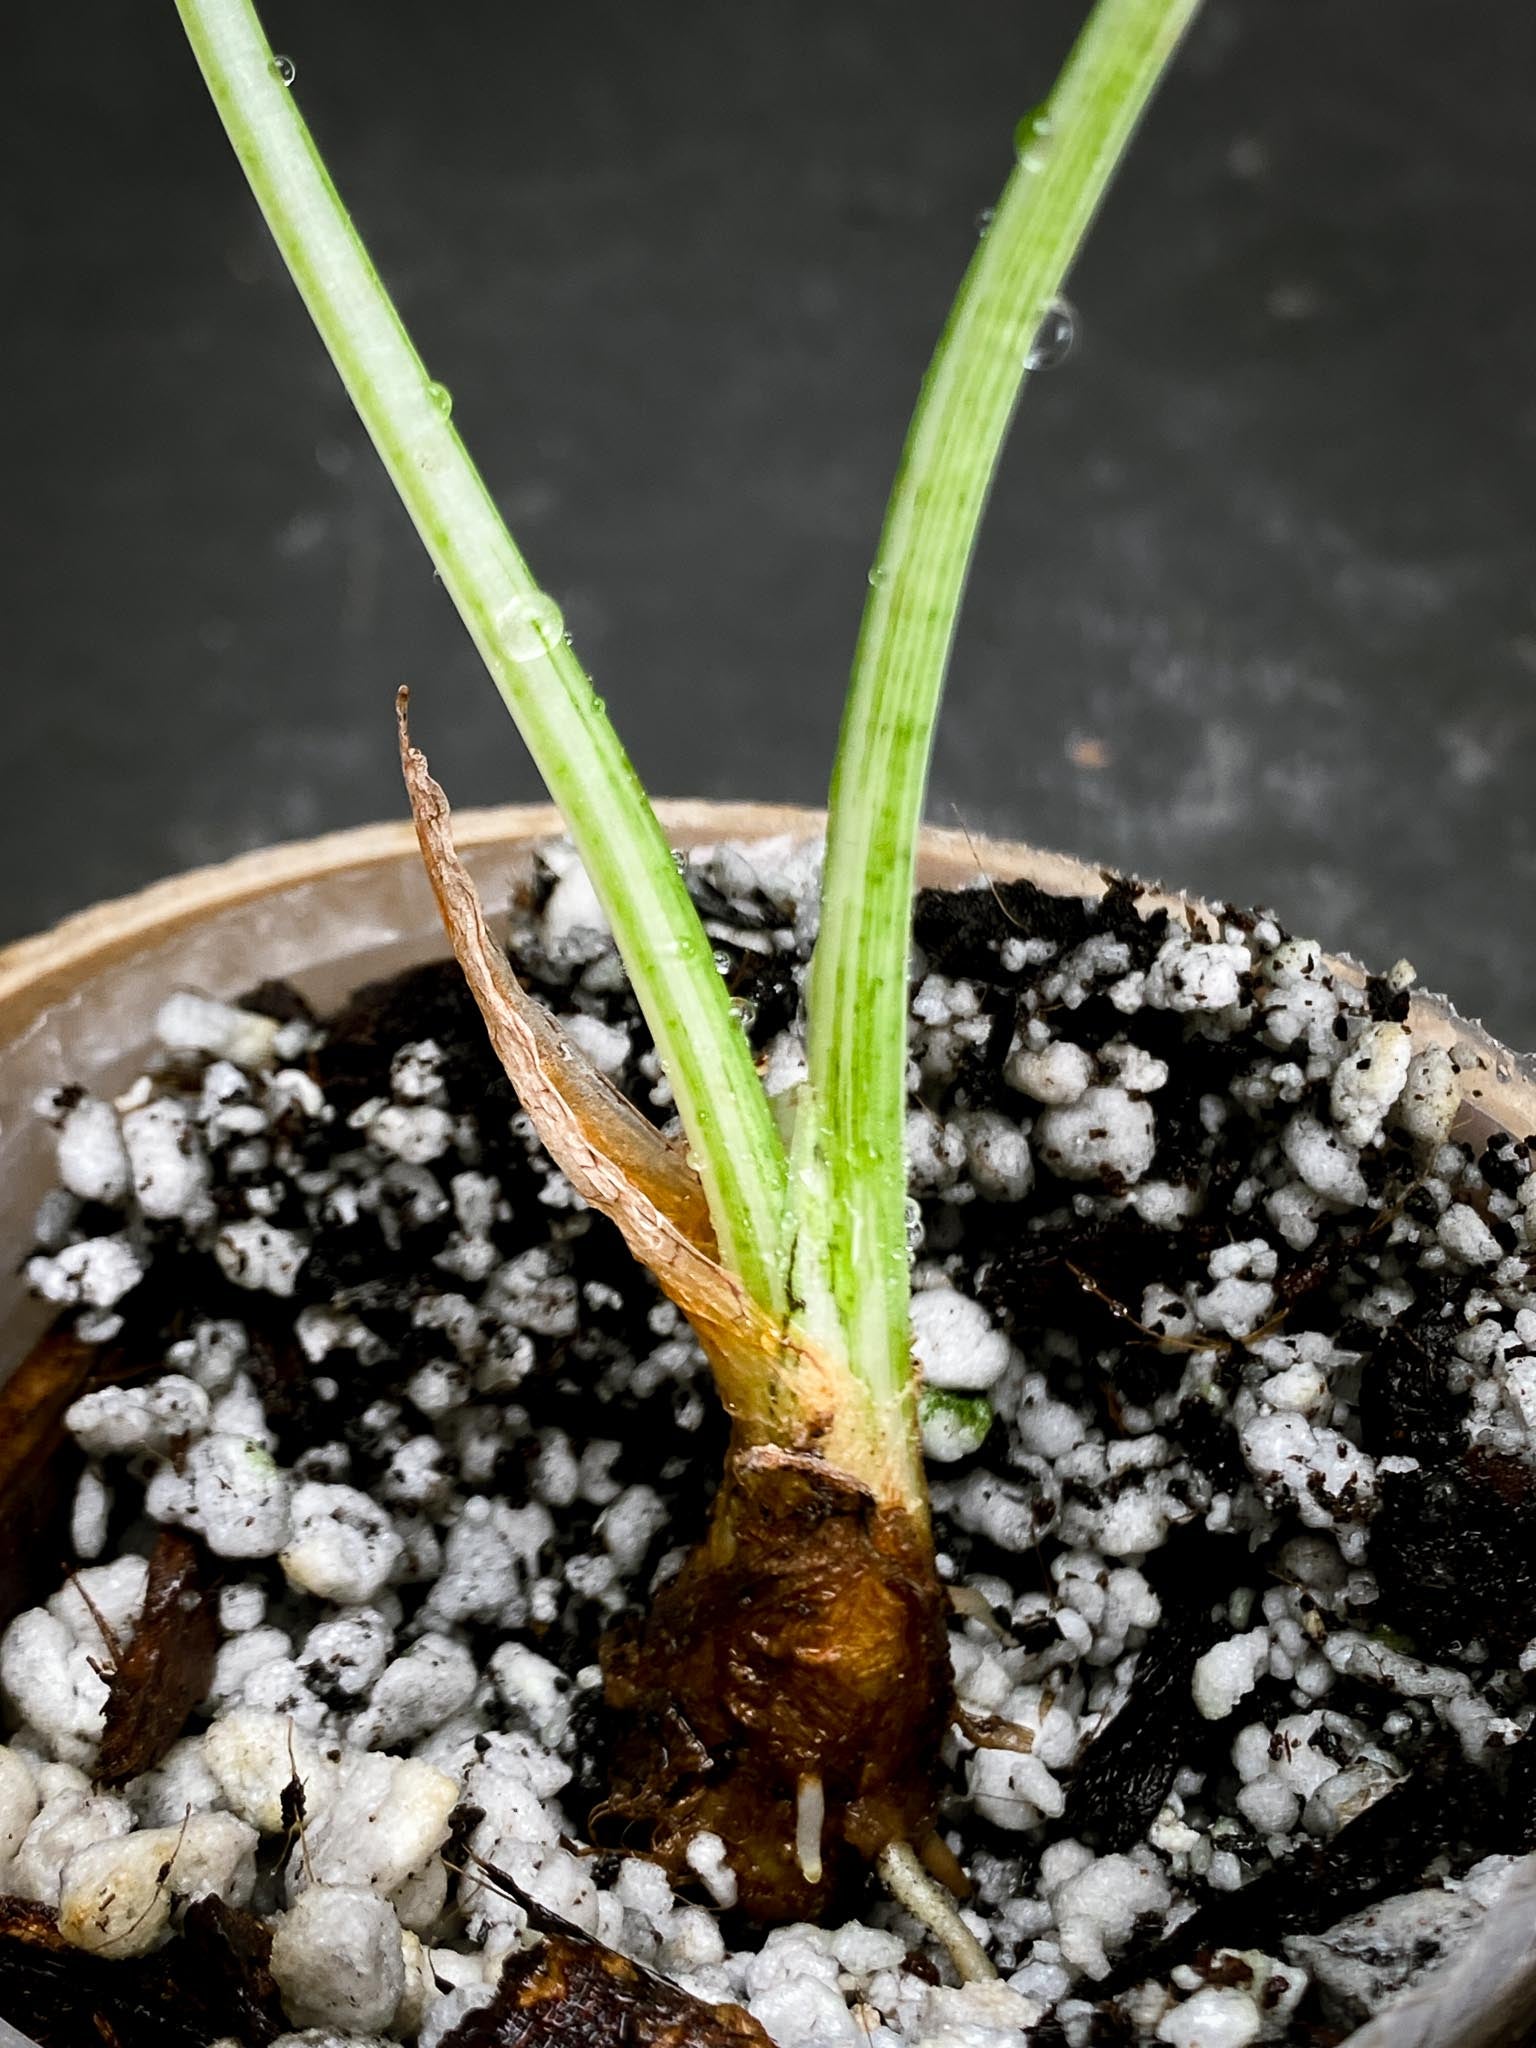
(926, 1900)
(810, 1817)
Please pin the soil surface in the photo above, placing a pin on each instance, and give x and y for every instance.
(1230, 1353)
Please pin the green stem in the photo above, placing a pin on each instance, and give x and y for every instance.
(521, 637)
(858, 998)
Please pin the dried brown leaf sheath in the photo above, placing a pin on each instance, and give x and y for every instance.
(618, 1162)
(168, 1666)
(804, 1639)
(586, 1115)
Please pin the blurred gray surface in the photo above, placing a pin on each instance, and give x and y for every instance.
(1253, 611)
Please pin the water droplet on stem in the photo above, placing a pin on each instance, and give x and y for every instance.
(1032, 140)
(1053, 337)
(530, 625)
(442, 398)
(284, 70)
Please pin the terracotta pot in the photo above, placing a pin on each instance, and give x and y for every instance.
(78, 1003)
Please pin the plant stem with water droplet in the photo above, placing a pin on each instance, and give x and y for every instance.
(858, 990)
(521, 639)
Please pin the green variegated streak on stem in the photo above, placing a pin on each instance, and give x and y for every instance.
(1066, 155)
(521, 638)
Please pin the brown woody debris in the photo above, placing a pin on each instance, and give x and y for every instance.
(223, 1958)
(168, 1666)
(211, 1984)
(33, 1926)
(38, 1464)
(573, 1992)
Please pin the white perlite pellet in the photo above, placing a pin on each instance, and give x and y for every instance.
(378, 1820)
(1057, 1074)
(956, 1344)
(228, 1491)
(90, 1514)
(1099, 1901)
(165, 1155)
(337, 1959)
(997, 1156)
(1427, 1106)
(1191, 976)
(417, 1693)
(574, 926)
(415, 1134)
(707, 1858)
(119, 1421)
(1368, 1080)
(93, 1161)
(201, 1024)
(416, 1072)
(1228, 1671)
(18, 1803)
(807, 2014)
(116, 1897)
(1467, 1237)
(1331, 1481)
(536, 1690)
(53, 1684)
(1329, 1167)
(343, 1546)
(1013, 1791)
(52, 1658)
(96, 1273)
(953, 1427)
(1213, 2018)
(1105, 1133)
(606, 1045)
(260, 1256)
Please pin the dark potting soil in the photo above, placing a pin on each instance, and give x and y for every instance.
(1246, 1538)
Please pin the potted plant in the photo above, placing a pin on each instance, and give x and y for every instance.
(778, 1712)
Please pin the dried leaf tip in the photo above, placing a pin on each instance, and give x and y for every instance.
(575, 1108)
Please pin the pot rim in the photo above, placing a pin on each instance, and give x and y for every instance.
(37, 970)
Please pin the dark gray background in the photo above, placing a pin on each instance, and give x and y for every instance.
(1254, 608)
